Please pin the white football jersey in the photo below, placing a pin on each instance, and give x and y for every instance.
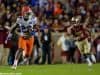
(25, 24)
(31, 22)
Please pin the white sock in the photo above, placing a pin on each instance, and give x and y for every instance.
(15, 62)
(89, 62)
(93, 58)
(24, 61)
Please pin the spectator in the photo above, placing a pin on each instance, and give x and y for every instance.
(68, 8)
(72, 49)
(64, 43)
(46, 45)
(57, 9)
(48, 12)
(57, 26)
(13, 48)
(37, 47)
(98, 50)
(1, 43)
(42, 3)
(96, 44)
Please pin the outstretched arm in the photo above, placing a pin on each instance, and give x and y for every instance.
(10, 29)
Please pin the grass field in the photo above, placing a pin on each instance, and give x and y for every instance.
(58, 69)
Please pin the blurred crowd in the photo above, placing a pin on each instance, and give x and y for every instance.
(56, 15)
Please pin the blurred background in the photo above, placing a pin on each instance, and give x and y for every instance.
(56, 15)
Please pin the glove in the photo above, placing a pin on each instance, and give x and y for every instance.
(9, 35)
(6, 41)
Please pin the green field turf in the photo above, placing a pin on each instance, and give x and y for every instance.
(58, 69)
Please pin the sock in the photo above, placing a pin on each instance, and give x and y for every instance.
(24, 61)
(15, 62)
(89, 62)
(93, 58)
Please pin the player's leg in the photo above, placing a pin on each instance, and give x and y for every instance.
(87, 57)
(17, 56)
(87, 47)
(93, 58)
(31, 45)
(80, 48)
(22, 46)
(29, 49)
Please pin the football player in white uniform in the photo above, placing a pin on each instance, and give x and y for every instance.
(23, 27)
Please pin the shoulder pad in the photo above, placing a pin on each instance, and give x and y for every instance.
(20, 18)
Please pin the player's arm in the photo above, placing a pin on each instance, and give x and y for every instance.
(7, 27)
(10, 29)
(16, 24)
(9, 32)
(17, 31)
(13, 27)
(87, 31)
(69, 29)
